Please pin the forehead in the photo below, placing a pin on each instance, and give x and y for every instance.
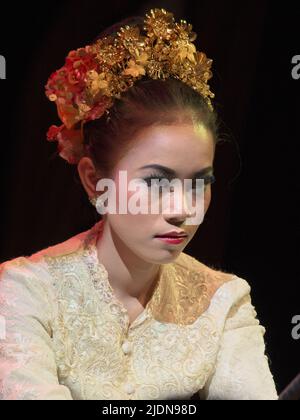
(180, 147)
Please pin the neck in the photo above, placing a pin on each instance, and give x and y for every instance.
(129, 275)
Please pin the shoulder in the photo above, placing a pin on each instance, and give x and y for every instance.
(217, 289)
(24, 285)
(35, 264)
(25, 292)
(32, 273)
(189, 288)
(212, 277)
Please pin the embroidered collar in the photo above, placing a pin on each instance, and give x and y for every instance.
(184, 288)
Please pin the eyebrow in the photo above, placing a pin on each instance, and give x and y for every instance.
(170, 172)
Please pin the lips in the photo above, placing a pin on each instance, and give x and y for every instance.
(172, 235)
(173, 240)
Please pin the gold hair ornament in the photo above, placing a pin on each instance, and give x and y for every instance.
(85, 87)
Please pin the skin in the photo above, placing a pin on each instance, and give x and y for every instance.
(128, 249)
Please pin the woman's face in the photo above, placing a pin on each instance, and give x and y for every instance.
(185, 149)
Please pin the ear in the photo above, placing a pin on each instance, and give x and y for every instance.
(88, 175)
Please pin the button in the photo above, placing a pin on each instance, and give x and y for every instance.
(126, 347)
(129, 388)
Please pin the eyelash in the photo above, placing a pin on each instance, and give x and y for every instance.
(210, 179)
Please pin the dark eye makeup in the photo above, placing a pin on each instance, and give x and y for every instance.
(208, 179)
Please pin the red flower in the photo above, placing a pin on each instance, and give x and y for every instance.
(54, 131)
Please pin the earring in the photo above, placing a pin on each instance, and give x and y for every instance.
(98, 202)
(93, 200)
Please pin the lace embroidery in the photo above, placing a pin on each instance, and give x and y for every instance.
(174, 345)
(183, 291)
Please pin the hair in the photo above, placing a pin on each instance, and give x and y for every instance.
(147, 103)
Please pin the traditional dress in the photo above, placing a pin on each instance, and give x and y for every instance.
(66, 336)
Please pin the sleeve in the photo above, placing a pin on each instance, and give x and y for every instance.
(242, 370)
(27, 364)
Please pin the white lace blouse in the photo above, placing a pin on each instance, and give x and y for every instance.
(66, 336)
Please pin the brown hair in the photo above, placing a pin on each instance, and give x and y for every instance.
(149, 102)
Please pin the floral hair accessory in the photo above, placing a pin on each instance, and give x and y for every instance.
(85, 87)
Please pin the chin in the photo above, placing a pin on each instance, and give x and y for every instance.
(167, 256)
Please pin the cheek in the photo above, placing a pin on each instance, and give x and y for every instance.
(129, 225)
(127, 195)
(207, 198)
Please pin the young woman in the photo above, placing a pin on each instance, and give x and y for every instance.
(120, 311)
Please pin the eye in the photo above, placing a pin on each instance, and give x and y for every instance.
(156, 179)
(153, 179)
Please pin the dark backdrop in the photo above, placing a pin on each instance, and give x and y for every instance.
(252, 226)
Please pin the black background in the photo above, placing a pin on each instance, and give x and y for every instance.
(252, 226)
